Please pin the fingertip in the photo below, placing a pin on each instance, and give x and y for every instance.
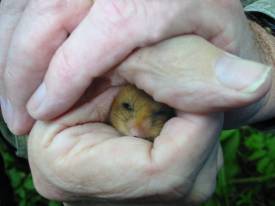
(246, 81)
(49, 102)
(187, 134)
(22, 125)
(44, 110)
(45, 104)
(7, 111)
(18, 120)
(22, 122)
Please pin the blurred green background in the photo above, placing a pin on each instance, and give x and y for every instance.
(247, 178)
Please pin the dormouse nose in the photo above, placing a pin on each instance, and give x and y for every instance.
(139, 128)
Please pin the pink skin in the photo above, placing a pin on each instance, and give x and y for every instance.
(182, 163)
(47, 66)
(37, 49)
(186, 73)
(124, 167)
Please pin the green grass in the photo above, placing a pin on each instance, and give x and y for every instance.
(21, 180)
(247, 178)
(248, 175)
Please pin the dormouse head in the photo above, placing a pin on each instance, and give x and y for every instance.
(135, 113)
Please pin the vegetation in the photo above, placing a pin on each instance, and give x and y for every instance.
(248, 175)
(247, 178)
(21, 180)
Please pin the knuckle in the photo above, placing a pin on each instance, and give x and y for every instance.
(118, 13)
(163, 28)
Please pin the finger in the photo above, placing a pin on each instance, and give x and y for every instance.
(205, 183)
(63, 136)
(10, 13)
(182, 138)
(183, 71)
(42, 29)
(102, 41)
(85, 55)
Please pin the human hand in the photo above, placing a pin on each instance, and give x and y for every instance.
(41, 54)
(190, 74)
(119, 167)
(79, 159)
(30, 33)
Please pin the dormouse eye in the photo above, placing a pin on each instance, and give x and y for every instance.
(127, 106)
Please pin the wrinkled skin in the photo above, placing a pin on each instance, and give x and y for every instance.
(41, 44)
(78, 157)
(77, 153)
(186, 73)
(46, 44)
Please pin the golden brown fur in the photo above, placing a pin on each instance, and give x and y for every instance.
(135, 113)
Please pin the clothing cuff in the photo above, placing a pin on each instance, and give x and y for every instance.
(266, 7)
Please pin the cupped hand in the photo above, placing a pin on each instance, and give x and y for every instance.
(79, 159)
(190, 74)
(38, 50)
(78, 156)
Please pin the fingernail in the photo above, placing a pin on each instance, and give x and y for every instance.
(37, 99)
(241, 75)
(7, 111)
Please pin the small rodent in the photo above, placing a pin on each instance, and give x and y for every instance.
(135, 113)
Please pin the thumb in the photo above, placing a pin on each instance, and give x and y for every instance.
(190, 74)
